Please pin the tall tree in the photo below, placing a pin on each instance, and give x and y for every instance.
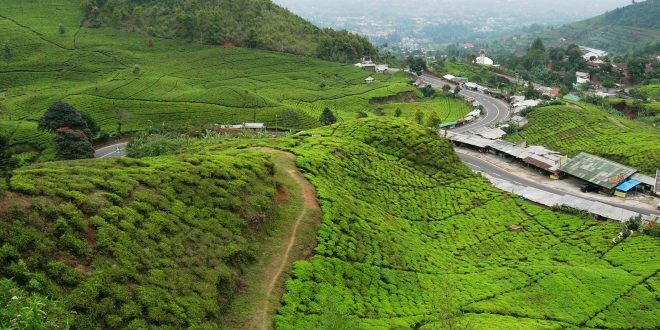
(416, 64)
(61, 114)
(419, 116)
(7, 163)
(433, 121)
(94, 128)
(73, 144)
(327, 117)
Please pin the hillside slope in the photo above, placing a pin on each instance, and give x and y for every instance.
(619, 31)
(572, 129)
(410, 238)
(157, 241)
(248, 23)
(161, 82)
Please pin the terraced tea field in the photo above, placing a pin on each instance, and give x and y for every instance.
(412, 239)
(572, 129)
(163, 82)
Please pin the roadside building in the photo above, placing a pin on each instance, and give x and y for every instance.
(381, 68)
(647, 184)
(597, 171)
(590, 54)
(254, 126)
(448, 78)
(460, 80)
(520, 121)
(626, 187)
(489, 133)
(582, 77)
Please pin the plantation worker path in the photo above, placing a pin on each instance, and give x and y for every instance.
(299, 214)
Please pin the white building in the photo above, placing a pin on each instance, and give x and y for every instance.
(582, 77)
(483, 60)
(588, 53)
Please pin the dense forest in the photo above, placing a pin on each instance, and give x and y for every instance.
(247, 23)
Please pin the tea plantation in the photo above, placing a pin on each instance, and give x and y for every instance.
(130, 243)
(163, 82)
(410, 238)
(572, 129)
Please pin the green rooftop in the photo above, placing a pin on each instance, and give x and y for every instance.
(597, 170)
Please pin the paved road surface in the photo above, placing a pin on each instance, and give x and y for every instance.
(496, 110)
(115, 150)
(481, 165)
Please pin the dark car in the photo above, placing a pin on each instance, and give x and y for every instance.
(588, 188)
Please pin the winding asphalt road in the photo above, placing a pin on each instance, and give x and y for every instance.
(115, 150)
(498, 111)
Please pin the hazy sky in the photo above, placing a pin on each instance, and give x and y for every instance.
(550, 11)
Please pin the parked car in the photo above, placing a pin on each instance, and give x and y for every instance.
(588, 188)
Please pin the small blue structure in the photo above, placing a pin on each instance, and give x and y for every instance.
(627, 185)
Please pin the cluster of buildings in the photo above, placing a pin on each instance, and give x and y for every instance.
(256, 127)
(596, 173)
(369, 65)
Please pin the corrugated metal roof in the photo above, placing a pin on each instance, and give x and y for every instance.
(626, 186)
(540, 162)
(647, 180)
(597, 170)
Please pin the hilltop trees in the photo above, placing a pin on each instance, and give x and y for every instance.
(416, 64)
(247, 23)
(327, 117)
(73, 130)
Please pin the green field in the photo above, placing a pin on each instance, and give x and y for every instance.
(572, 129)
(179, 85)
(412, 239)
(447, 109)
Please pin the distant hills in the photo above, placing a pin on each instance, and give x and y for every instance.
(619, 31)
(247, 23)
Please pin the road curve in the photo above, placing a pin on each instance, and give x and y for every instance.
(496, 111)
(115, 150)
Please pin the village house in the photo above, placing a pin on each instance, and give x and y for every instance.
(582, 77)
(369, 80)
(592, 54)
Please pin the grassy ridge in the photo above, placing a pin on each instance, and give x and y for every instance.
(160, 241)
(572, 129)
(411, 238)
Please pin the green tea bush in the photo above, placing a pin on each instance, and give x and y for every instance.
(410, 237)
(160, 241)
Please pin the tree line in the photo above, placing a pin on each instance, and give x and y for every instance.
(248, 23)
